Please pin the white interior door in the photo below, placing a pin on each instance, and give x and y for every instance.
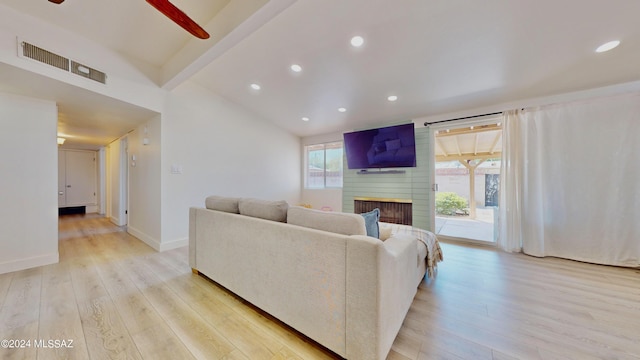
(124, 181)
(62, 169)
(80, 178)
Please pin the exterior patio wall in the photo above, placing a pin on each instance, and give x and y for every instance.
(457, 180)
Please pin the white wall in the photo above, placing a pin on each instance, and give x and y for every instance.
(114, 183)
(144, 183)
(221, 149)
(28, 183)
(323, 198)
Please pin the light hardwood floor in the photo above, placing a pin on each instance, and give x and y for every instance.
(116, 298)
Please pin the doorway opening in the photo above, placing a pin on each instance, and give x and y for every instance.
(467, 161)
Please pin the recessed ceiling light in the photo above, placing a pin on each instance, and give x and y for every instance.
(357, 41)
(305, 119)
(296, 68)
(608, 46)
(342, 109)
(255, 86)
(392, 98)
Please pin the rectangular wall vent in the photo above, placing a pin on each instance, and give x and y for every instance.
(47, 57)
(44, 56)
(89, 73)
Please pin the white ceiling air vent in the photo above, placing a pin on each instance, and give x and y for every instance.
(88, 72)
(44, 56)
(47, 57)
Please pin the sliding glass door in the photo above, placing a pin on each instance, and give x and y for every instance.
(467, 156)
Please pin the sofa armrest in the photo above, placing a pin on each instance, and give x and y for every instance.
(399, 245)
(398, 268)
(380, 290)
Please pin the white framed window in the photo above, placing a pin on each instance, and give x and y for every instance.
(323, 165)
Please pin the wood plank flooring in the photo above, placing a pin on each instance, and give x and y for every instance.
(116, 298)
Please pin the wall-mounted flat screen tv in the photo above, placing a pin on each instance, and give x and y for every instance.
(387, 147)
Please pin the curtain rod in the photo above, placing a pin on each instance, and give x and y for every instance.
(426, 123)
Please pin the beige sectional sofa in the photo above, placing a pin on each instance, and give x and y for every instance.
(316, 271)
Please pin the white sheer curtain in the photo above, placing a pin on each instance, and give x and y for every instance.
(512, 165)
(571, 181)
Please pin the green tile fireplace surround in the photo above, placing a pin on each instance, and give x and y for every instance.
(408, 184)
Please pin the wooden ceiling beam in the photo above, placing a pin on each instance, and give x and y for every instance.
(475, 143)
(468, 130)
(465, 157)
(495, 142)
(439, 144)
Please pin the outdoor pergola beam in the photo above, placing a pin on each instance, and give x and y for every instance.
(495, 142)
(465, 157)
(458, 146)
(466, 130)
(439, 144)
(475, 144)
(472, 184)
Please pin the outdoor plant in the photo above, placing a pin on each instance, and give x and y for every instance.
(448, 202)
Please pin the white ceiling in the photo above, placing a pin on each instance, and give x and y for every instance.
(437, 56)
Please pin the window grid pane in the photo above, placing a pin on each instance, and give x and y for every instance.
(323, 165)
(333, 168)
(315, 166)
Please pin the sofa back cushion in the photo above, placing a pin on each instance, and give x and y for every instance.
(221, 203)
(264, 209)
(335, 222)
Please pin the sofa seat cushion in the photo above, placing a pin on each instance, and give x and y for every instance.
(221, 203)
(335, 222)
(264, 209)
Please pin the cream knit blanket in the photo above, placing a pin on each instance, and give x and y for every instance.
(434, 252)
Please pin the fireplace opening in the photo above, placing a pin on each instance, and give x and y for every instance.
(395, 211)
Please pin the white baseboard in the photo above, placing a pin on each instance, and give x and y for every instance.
(28, 263)
(155, 244)
(169, 245)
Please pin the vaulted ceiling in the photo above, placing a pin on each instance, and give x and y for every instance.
(437, 57)
(130, 27)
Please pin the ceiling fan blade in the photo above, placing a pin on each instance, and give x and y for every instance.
(180, 18)
(57, 1)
